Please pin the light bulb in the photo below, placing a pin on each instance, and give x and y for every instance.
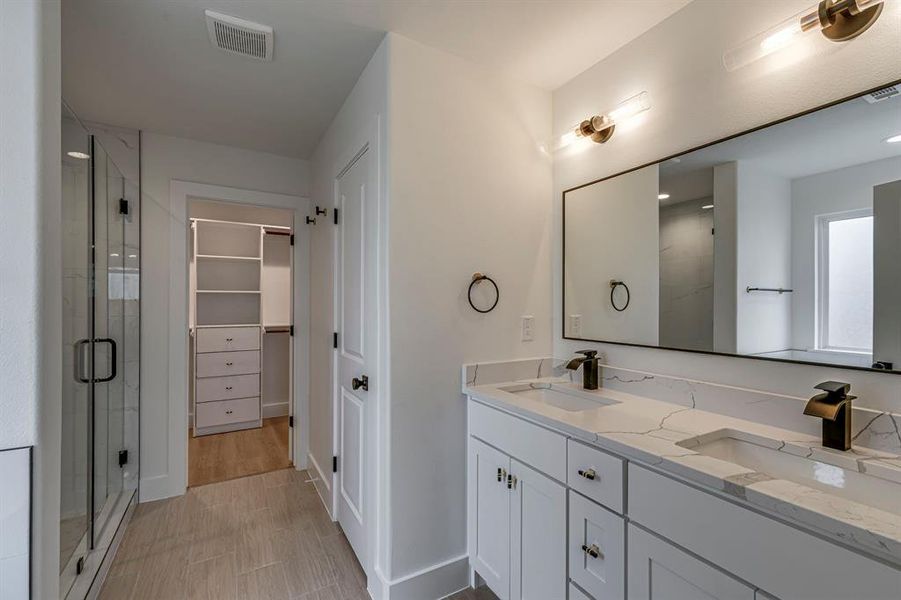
(895, 139)
(79, 155)
(631, 107)
(662, 196)
(784, 34)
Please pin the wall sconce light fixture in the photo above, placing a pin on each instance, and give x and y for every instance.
(599, 128)
(837, 20)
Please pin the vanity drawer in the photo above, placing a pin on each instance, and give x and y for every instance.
(216, 364)
(225, 412)
(596, 474)
(225, 388)
(528, 443)
(591, 526)
(227, 339)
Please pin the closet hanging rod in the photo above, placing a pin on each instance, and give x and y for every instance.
(198, 219)
(760, 289)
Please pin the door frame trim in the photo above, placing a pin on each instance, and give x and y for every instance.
(175, 482)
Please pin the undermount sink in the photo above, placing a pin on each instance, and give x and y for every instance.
(754, 453)
(562, 398)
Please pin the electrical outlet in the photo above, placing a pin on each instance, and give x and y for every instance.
(575, 325)
(528, 328)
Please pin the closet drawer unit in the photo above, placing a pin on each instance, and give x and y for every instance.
(596, 474)
(225, 412)
(210, 389)
(217, 364)
(227, 339)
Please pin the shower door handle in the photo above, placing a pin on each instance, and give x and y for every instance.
(79, 349)
(112, 374)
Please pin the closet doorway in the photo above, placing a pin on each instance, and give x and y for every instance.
(241, 340)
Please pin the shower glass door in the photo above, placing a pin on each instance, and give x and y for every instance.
(101, 320)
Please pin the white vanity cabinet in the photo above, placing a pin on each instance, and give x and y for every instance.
(517, 521)
(660, 571)
(617, 529)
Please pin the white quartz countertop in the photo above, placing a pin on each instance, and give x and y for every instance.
(650, 432)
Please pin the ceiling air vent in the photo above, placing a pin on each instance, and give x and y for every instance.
(883, 94)
(238, 36)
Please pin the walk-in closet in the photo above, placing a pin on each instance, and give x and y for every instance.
(241, 340)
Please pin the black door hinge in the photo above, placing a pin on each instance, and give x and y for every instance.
(292, 239)
(123, 458)
(335, 214)
(79, 565)
(311, 220)
(291, 421)
(291, 330)
(123, 206)
(334, 464)
(335, 340)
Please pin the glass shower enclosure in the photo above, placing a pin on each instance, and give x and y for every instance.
(101, 337)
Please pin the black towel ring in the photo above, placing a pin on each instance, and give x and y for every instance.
(478, 278)
(615, 284)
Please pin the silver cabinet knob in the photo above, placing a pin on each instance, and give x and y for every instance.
(589, 474)
(593, 551)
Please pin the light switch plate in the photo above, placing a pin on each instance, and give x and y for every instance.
(575, 325)
(528, 328)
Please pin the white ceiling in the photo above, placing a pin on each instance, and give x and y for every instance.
(851, 133)
(149, 64)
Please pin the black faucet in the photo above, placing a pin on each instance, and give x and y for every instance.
(589, 364)
(834, 407)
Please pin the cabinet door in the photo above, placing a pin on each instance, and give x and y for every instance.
(538, 536)
(597, 549)
(659, 571)
(489, 516)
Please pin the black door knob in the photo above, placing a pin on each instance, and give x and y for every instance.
(362, 382)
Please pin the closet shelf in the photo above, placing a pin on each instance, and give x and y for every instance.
(224, 257)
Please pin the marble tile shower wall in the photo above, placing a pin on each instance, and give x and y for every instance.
(879, 430)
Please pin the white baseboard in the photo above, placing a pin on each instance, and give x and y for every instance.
(434, 582)
(322, 484)
(275, 409)
(156, 488)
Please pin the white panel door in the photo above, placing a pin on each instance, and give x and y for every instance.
(356, 320)
(489, 525)
(538, 536)
(659, 571)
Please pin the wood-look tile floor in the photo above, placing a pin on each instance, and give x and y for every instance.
(263, 537)
(224, 456)
(260, 537)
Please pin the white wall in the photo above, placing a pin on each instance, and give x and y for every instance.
(831, 192)
(763, 259)
(612, 233)
(469, 191)
(165, 158)
(887, 285)
(30, 269)
(695, 100)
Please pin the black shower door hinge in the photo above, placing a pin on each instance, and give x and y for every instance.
(123, 458)
(292, 239)
(291, 330)
(334, 464)
(291, 421)
(123, 206)
(335, 340)
(335, 214)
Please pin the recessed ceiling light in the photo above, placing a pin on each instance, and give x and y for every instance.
(707, 207)
(114, 254)
(894, 139)
(80, 155)
(132, 256)
(662, 196)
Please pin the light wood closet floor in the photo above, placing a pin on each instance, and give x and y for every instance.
(224, 456)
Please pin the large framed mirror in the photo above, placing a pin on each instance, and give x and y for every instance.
(782, 243)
